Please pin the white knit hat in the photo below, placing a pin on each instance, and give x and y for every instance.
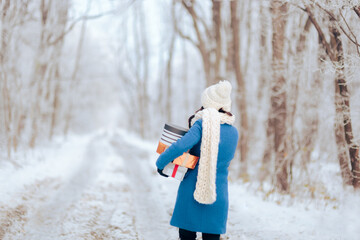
(217, 96)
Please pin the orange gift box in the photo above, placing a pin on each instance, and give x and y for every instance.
(186, 160)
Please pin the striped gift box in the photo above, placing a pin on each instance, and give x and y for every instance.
(171, 133)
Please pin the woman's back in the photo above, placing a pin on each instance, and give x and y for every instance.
(227, 145)
(202, 200)
(209, 218)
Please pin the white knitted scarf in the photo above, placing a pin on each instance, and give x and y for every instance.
(205, 191)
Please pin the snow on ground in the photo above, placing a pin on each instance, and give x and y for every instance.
(104, 186)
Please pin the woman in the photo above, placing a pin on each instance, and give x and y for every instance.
(202, 200)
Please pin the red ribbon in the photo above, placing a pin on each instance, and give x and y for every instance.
(174, 171)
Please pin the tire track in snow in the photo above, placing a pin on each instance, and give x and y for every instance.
(108, 195)
(79, 206)
(46, 220)
(149, 215)
(16, 215)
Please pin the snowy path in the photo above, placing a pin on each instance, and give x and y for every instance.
(102, 191)
(77, 204)
(104, 186)
(149, 217)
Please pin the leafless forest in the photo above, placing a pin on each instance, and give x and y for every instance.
(294, 67)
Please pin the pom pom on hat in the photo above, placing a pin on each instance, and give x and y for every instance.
(217, 96)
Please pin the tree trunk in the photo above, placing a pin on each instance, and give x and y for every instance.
(342, 103)
(293, 143)
(41, 68)
(201, 43)
(217, 32)
(346, 147)
(264, 87)
(311, 118)
(61, 20)
(249, 37)
(4, 86)
(169, 78)
(357, 10)
(142, 73)
(264, 53)
(268, 152)
(278, 97)
(241, 89)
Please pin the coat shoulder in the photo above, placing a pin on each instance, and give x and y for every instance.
(231, 132)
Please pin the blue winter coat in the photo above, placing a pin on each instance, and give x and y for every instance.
(188, 213)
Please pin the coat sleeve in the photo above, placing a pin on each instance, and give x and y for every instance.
(192, 137)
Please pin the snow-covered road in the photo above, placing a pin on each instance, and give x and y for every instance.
(148, 215)
(100, 187)
(104, 186)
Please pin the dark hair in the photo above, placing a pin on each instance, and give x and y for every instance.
(202, 108)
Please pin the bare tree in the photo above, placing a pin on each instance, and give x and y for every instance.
(264, 81)
(241, 89)
(278, 95)
(208, 38)
(142, 74)
(169, 77)
(217, 20)
(357, 10)
(296, 64)
(14, 14)
(47, 89)
(61, 22)
(134, 70)
(348, 150)
(74, 75)
(311, 113)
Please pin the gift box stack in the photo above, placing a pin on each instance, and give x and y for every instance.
(177, 168)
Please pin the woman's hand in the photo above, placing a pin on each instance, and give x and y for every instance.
(160, 171)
